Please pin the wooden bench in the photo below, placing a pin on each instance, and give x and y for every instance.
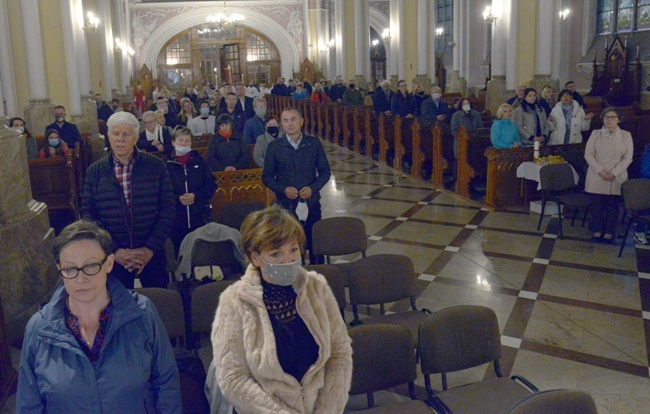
(360, 126)
(371, 122)
(471, 161)
(347, 119)
(443, 151)
(53, 182)
(403, 141)
(422, 147)
(386, 132)
(241, 185)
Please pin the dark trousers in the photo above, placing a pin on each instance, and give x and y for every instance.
(314, 216)
(154, 273)
(604, 213)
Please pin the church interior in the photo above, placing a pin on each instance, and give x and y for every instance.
(572, 313)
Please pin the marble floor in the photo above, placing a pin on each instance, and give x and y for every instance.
(571, 313)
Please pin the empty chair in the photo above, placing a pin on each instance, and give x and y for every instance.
(233, 213)
(336, 282)
(205, 253)
(558, 185)
(556, 402)
(385, 278)
(171, 259)
(383, 357)
(337, 236)
(636, 198)
(170, 308)
(205, 300)
(462, 337)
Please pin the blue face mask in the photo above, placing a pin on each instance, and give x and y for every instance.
(54, 142)
(282, 274)
(205, 111)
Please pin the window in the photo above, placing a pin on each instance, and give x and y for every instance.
(444, 20)
(621, 16)
(178, 52)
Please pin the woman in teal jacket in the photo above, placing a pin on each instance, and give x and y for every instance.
(504, 134)
(95, 347)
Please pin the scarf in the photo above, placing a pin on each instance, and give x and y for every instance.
(155, 135)
(184, 159)
(226, 135)
(568, 116)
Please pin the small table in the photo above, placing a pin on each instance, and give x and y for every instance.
(530, 171)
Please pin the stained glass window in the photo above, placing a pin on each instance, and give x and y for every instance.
(444, 21)
(620, 16)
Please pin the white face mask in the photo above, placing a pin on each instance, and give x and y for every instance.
(466, 108)
(436, 96)
(20, 129)
(282, 274)
(182, 150)
(302, 211)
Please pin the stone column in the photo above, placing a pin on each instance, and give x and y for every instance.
(322, 37)
(465, 45)
(106, 49)
(122, 59)
(511, 47)
(454, 73)
(544, 45)
(397, 42)
(7, 84)
(432, 42)
(72, 70)
(496, 87)
(361, 41)
(422, 73)
(339, 12)
(38, 114)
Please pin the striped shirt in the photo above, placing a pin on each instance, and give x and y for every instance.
(123, 175)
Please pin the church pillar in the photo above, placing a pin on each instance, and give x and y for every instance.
(7, 85)
(544, 46)
(511, 47)
(323, 39)
(38, 114)
(361, 41)
(422, 73)
(339, 12)
(432, 42)
(106, 48)
(496, 87)
(454, 74)
(397, 42)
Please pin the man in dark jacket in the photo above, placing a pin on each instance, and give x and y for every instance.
(295, 169)
(280, 89)
(130, 195)
(434, 109)
(381, 98)
(245, 103)
(67, 131)
(103, 110)
(337, 90)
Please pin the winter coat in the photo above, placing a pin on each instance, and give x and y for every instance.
(319, 96)
(223, 152)
(253, 128)
(470, 120)
(430, 109)
(136, 371)
(149, 221)
(381, 100)
(68, 133)
(608, 152)
(249, 372)
(558, 126)
(645, 163)
(263, 141)
(527, 125)
(286, 167)
(504, 134)
(402, 105)
(200, 181)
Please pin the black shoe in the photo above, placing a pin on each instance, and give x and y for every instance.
(608, 240)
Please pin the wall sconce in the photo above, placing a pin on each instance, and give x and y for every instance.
(489, 16)
(121, 46)
(130, 52)
(322, 47)
(564, 14)
(91, 24)
(375, 42)
(439, 31)
(386, 35)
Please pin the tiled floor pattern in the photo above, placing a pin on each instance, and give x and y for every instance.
(572, 314)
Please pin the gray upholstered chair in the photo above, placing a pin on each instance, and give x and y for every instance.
(462, 337)
(383, 357)
(556, 402)
(336, 282)
(636, 198)
(338, 236)
(205, 300)
(381, 279)
(233, 213)
(169, 304)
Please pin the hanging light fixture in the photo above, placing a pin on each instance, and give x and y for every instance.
(224, 23)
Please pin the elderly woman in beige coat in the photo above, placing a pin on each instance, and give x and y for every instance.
(609, 152)
(280, 344)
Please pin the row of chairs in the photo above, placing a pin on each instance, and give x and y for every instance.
(450, 340)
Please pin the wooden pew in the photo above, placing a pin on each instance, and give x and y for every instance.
(54, 183)
(347, 119)
(241, 185)
(337, 130)
(443, 151)
(359, 134)
(422, 145)
(471, 157)
(200, 144)
(386, 130)
(372, 133)
(403, 141)
(329, 120)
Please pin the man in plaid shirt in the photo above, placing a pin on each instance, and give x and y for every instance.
(129, 193)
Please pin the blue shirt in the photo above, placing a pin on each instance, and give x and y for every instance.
(253, 128)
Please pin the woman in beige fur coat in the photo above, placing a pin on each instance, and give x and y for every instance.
(609, 152)
(279, 342)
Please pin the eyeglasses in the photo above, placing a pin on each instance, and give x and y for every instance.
(611, 117)
(89, 270)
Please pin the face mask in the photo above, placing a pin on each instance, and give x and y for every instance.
(260, 111)
(60, 119)
(173, 97)
(436, 96)
(182, 150)
(352, 86)
(282, 274)
(54, 142)
(273, 131)
(466, 108)
(21, 129)
(205, 111)
(386, 90)
(302, 211)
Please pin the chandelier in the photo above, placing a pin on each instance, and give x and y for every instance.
(223, 23)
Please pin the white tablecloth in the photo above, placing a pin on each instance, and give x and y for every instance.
(530, 171)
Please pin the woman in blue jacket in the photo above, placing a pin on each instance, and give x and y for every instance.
(95, 347)
(504, 134)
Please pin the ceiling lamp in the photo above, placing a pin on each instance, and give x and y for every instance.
(224, 23)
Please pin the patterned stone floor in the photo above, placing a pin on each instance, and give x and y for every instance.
(572, 314)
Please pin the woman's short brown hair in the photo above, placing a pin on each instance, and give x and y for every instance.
(269, 229)
(82, 230)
